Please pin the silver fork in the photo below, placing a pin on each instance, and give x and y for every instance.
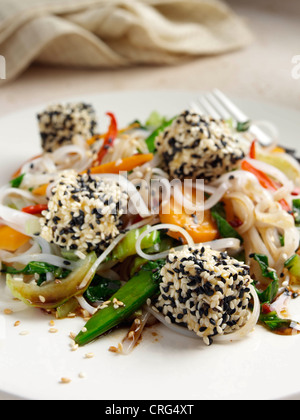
(218, 105)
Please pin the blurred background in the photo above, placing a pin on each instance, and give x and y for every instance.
(246, 48)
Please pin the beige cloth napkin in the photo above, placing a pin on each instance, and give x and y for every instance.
(115, 33)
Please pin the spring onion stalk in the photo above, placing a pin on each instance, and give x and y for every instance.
(128, 299)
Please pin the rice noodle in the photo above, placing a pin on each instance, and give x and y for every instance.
(86, 306)
(237, 335)
(173, 327)
(216, 197)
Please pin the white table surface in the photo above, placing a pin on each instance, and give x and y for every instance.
(262, 71)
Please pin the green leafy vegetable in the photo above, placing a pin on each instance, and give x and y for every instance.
(272, 321)
(126, 247)
(40, 268)
(225, 229)
(66, 308)
(16, 182)
(243, 126)
(296, 211)
(155, 120)
(131, 297)
(150, 141)
(101, 289)
(55, 293)
(268, 295)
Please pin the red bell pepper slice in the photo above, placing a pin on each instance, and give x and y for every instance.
(109, 139)
(265, 182)
(252, 153)
(37, 209)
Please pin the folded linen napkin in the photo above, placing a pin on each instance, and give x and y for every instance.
(115, 33)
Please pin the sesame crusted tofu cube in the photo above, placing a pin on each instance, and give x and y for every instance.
(204, 290)
(84, 213)
(200, 147)
(60, 125)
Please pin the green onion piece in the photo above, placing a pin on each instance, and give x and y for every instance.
(131, 297)
(126, 248)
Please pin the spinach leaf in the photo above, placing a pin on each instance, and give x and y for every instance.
(40, 268)
(101, 289)
(225, 229)
(150, 141)
(243, 126)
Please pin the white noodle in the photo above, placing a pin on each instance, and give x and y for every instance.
(46, 258)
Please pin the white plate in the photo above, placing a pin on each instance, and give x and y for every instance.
(165, 365)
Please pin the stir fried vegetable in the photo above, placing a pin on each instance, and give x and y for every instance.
(265, 182)
(41, 269)
(268, 316)
(11, 240)
(204, 230)
(126, 248)
(293, 265)
(131, 297)
(225, 229)
(109, 139)
(101, 289)
(55, 293)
